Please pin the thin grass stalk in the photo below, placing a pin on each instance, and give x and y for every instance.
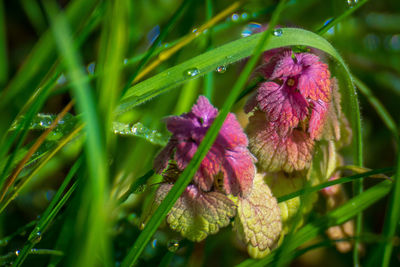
(185, 178)
(96, 241)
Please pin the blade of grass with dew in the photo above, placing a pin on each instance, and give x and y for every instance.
(335, 217)
(39, 141)
(378, 106)
(42, 163)
(392, 217)
(96, 240)
(223, 56)
(113, 45)
(342, 16)
(164, 32)
(21, 131)
(342, 180)
(185, 178)
(3, 46)
(187, 39)
(44, 53)
(49, 214)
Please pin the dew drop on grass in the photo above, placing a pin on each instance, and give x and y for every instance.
(352, 3)
(141, 226)
(221, 69)
(17, 252)
(235, 17)
(192, 72)
(90, 68)
(173, 245)
(154, 243)
(37, 238)
(250, 29)
(277, 32)
(45, 121)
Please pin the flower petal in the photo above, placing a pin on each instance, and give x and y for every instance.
(275, 152)
(282, 105)
(258, 221)
(196, 214)
(318, 118)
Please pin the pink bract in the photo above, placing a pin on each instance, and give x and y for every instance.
(228, 158)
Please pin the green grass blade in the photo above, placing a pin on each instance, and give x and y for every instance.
(95, 241)
(209, 78)
(185, 178)
(163, 34)
(3, 47)
(44, 52)
(378, 106)
(342, 180)
(35, 16)
(335, 217)
(49, 214)
(342, 16)
(392, 217)
(224, 55)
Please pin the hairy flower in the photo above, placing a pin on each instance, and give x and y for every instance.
(294, 101)
(228, 164)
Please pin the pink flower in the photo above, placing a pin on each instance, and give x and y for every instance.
(228, 160)
(294, 102)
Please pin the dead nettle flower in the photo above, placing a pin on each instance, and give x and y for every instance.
(223, 185)
(289, 109)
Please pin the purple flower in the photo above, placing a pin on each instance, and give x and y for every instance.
(228, 164)
(294, 102)
(222, 187)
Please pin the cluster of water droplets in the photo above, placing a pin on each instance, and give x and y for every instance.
(139, 130)
(352, 3)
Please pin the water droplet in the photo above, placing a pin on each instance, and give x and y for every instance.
(235, 17)
(90, 68)
(142, 225)
(34, 250)
(154, 243)
(244, 15)
(125, 61)
(194, 30)
(277, 32)
(251, 28)
(17, 252)
(45, 121)
(192, 72)
(221, 69)
(173, 245)
(50, 194)
(62, 79)
(37, 238)
(352, 3)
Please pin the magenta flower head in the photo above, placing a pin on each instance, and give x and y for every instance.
(290, 109)
(228, 164)
(223, 187)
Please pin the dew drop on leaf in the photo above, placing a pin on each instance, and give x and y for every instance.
(173, 245)
(192, 72)
(277, 32)
(17, 252)
(154, 243)
(352, 3)
(221, 69)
